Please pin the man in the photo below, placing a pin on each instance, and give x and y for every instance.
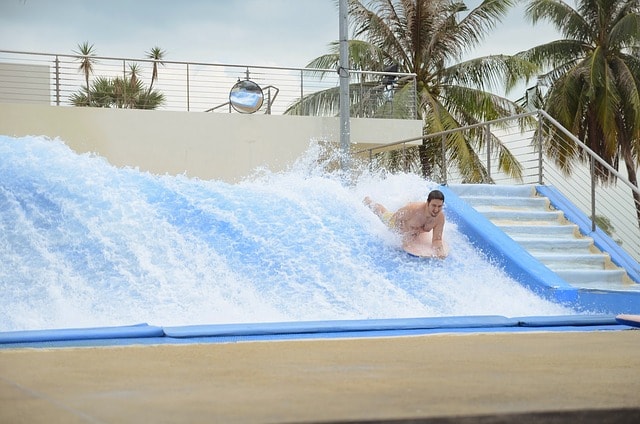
(414, 219)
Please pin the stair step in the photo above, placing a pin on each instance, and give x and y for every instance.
(577, 277)
(556, 230)
(493, 190)
(518, 203)
(520, 216)
(560, 261)
(619, 286)
(565, 245)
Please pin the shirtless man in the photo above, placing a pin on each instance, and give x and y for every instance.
(415, 218)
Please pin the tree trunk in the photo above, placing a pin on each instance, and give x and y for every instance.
(425, 164)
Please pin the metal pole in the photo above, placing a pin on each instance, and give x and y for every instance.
(301, 85)
(343, 72)
(57, 81)
(487, 142)
(443, 151)
(593, 194)
(540, 157)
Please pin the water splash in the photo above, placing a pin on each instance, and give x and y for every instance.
(83, 243)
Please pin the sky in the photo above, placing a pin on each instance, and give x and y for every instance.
(287, 33)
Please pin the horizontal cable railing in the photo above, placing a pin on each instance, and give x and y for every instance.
(601, 192)
(193, 86)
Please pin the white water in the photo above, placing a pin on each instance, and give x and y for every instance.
(83, 243)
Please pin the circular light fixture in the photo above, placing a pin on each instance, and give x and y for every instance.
(246, 96)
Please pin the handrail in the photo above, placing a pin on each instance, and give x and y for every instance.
(192, 86)
(180, 62)
(594, 155)
(446, 132)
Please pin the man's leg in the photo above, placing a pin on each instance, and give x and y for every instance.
(377, 208)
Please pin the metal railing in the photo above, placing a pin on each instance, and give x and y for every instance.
(601, 192)
(27, 77)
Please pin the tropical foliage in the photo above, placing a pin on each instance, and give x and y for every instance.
(430, 38)
(592, 81)
(127, 91)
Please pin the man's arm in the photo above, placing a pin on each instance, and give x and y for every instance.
(438, 229)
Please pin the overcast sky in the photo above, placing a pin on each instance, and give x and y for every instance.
(269, 32)
(288, 33)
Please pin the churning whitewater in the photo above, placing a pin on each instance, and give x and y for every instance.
(83, 243)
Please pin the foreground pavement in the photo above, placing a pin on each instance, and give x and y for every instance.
(555, 377)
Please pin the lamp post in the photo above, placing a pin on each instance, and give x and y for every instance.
(343, 72)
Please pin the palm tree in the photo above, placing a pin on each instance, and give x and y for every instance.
(126, 92)
(100, 94)
(156, 54)
(87, 61)
(592, 80)
(130, 86)
(430, 38)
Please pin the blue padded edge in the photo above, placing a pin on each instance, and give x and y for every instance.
(601, 239)
(132, 331)
(508, 254)
(227, 333)
(309, 328)
(315, 327)
(567, 320)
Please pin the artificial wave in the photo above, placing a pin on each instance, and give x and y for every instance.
(84, 243)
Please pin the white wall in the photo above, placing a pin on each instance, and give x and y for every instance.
(205, 145)
(22, 83)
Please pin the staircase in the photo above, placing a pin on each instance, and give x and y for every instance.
(531, 221)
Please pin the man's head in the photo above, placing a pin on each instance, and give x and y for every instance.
(435, 200)
(435, 194)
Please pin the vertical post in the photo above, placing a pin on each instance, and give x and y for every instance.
(404, 157)
(415, 98)
(593, 193)
(343, 72)
(301, 84)
(539, 140)
(268, 101)
(187, 87)
(487, 141)
(443, 144)
(361, 112)
(57, 81)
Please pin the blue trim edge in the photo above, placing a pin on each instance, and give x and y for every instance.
(130, 331)
(146, 334)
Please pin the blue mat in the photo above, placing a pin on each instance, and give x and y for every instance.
(220, 333)
(568, 320)
(124, 332)
(311, 327)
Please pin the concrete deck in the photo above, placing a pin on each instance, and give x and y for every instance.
(483, 377)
